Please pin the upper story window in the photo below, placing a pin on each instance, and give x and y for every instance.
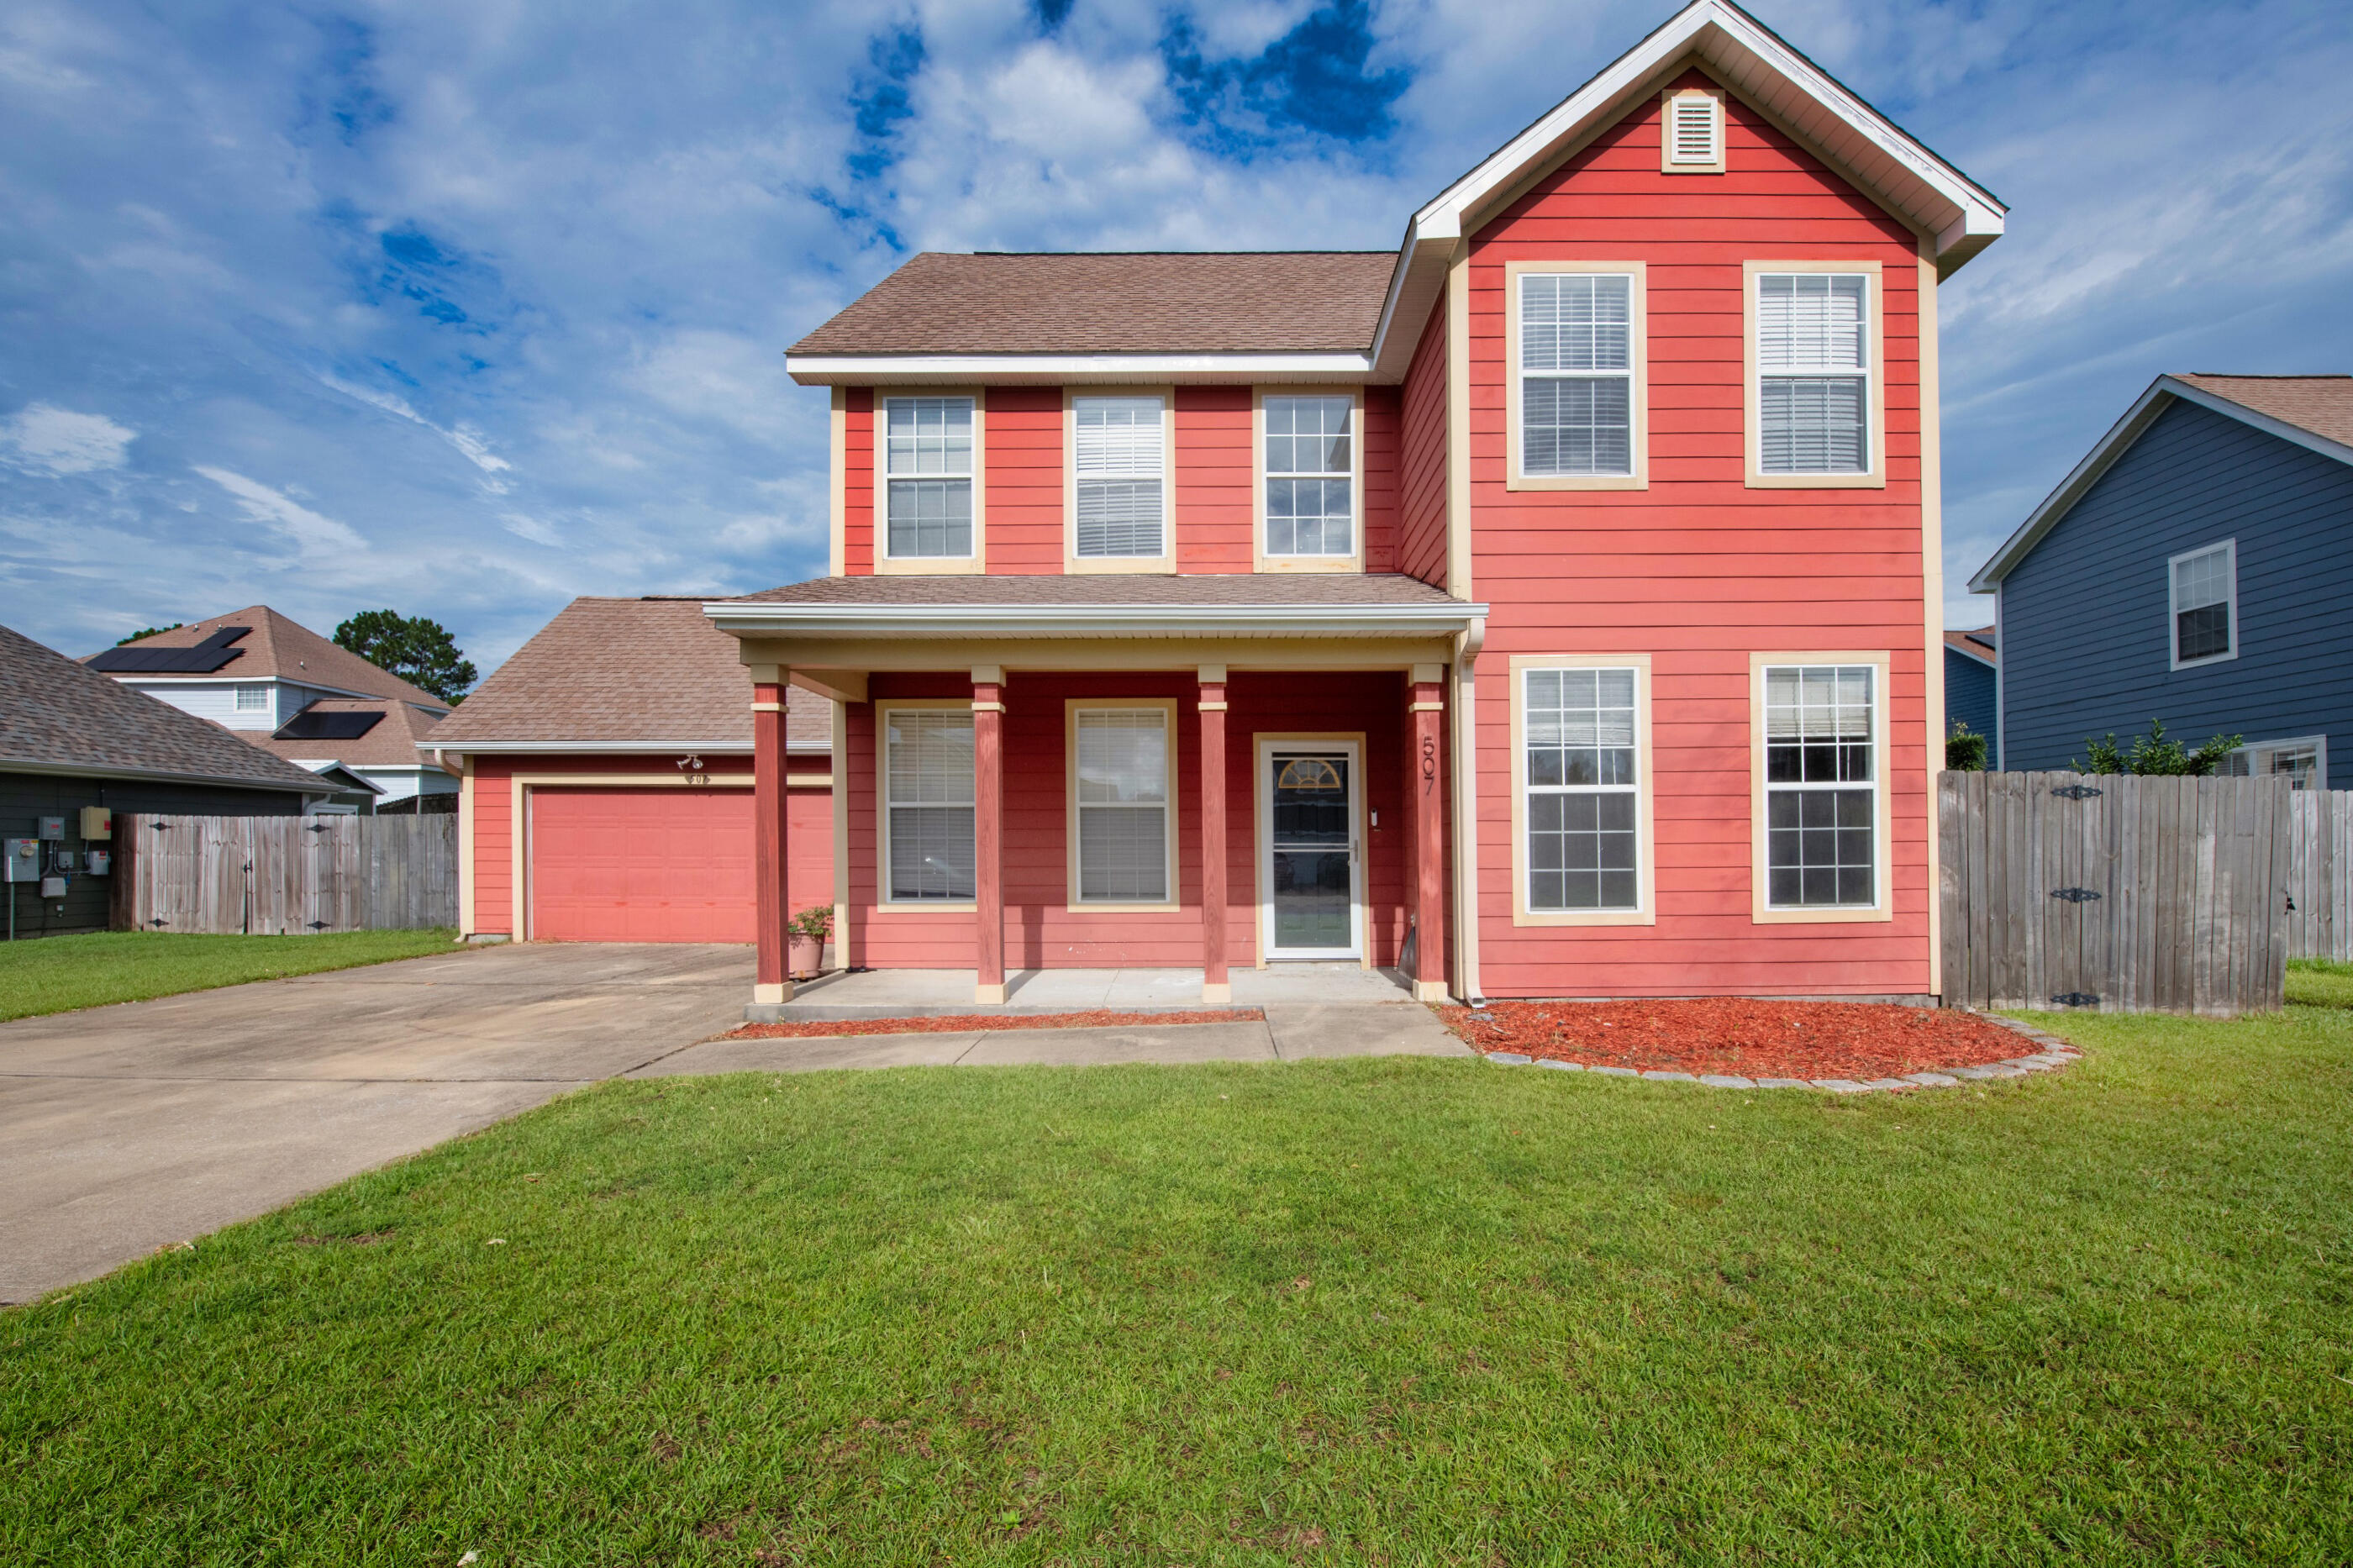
(1691, 139)
(1310, 507)
(928, 466)
(253, 699)
(1814, 397)
(1577, 391)
(1119, 463)
(2205, 603)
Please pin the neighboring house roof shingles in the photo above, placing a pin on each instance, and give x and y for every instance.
(2321, 403)
(1374, 589)
(390, 742)
(1978, 645)
(1116, 302)
(626, 672)
(289, 651)
(58, 715)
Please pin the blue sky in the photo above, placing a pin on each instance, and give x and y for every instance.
(469, 308)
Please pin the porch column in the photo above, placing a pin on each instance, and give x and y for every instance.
(1215, 985)
(1426, 765)
(772, 980)
(988, 830)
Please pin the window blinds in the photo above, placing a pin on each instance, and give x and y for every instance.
(1122, 805)
(2202, 591)
(1576, 355)
(927, 792)
(1813, 363)
(1117, 457)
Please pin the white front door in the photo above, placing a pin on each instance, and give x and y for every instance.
(1312, 875)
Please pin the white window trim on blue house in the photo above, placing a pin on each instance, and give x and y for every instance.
(2174, 607)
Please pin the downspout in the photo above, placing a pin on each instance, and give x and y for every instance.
(1467, 643)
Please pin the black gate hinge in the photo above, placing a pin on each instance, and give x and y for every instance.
(2075, 895)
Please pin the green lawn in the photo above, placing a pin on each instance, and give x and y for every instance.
(1396, 1311)
(59, 974)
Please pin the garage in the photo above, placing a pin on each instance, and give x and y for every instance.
(640, 865)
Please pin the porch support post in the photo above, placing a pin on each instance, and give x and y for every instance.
(988, 831)
(1216, 984)
(1424, 765)
(772, 981)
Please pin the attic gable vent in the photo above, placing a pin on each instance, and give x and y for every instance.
(1695, 132)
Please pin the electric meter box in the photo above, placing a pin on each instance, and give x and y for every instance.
(98, 862)
(23, 862)
(53, 828)
(97, 822)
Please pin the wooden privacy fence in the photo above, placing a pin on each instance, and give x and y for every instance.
(2320, 874)
(2119, 893)
(273, 875)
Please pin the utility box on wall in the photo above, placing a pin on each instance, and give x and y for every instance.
(23, 861)
(97, 823)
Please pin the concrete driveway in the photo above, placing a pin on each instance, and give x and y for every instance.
(125, 1128)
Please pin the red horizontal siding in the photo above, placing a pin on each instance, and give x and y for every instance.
(1384, 439)
(1421, 488)
(1215, 477)
(858, 481)
(1023, 462)
(1698, 571)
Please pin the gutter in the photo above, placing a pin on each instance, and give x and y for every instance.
(159, 775)
(772, 618)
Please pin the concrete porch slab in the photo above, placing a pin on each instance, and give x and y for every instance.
(947, 992)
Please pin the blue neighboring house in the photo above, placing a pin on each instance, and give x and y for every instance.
(2197, 567)
(1972, 686)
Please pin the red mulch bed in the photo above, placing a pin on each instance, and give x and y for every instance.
(1736, 1037)
(1098, 1019)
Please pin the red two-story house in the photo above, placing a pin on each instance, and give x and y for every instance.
(1550, 606)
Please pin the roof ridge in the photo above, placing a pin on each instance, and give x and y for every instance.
(2268, 376)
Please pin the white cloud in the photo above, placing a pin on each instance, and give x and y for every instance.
(467, 441)
(316, 535)
(41, 438)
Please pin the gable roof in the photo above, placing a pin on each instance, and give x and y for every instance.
(1978, 645)
(391, 742)
(625, 675)
(274, 646)
(1305, 315)
(1115, 302)
(2315, 412)
(61, 717)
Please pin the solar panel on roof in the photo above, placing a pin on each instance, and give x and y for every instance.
(202, 659)
(309, 725)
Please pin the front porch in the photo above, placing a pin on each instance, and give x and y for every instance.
(948, 993)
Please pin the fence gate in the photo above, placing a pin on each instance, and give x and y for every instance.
(2115, 892)
(276, 875)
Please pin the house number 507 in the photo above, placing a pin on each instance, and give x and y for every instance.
(1428, 761)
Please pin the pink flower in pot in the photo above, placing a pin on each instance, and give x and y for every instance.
(807, 932)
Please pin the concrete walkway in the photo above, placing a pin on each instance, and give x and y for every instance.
(127, 1129)
(935, 993)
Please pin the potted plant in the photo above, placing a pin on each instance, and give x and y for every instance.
(808, 931)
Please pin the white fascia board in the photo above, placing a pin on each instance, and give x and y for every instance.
(1055, 370)
(1092, 620)
(2162, 394)
(590, 748)
(1708, 28)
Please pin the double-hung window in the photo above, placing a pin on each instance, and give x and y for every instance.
(1121, 838)
(1119, 461)
(1813, 352)
(927, 805)
(1581, 813)
(1576, 371)
(1310, 504)
(928, 470)
(2205, 600)
(1821, 786)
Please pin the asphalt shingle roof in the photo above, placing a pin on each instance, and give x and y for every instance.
(623, 672)
(1154, 302)
(288, 651)
(1235, 588)
(55, 712)
(2321, 403)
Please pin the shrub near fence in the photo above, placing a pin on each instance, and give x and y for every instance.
(2114, 891)
(272, 876)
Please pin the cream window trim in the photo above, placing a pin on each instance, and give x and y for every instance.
(1668, 162)
(1075, 564)
(1645, 911)
(1071, 708)
(885, 564)
(1355, 560)
(1874, 390)
(1638, 372)
(1883, 909)
(883, 902)
(2174, 608)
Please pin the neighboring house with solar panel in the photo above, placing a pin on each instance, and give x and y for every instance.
(2195, 567)
(294, 693)
(1547, 606)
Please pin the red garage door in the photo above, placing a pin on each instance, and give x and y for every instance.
(641, 864)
